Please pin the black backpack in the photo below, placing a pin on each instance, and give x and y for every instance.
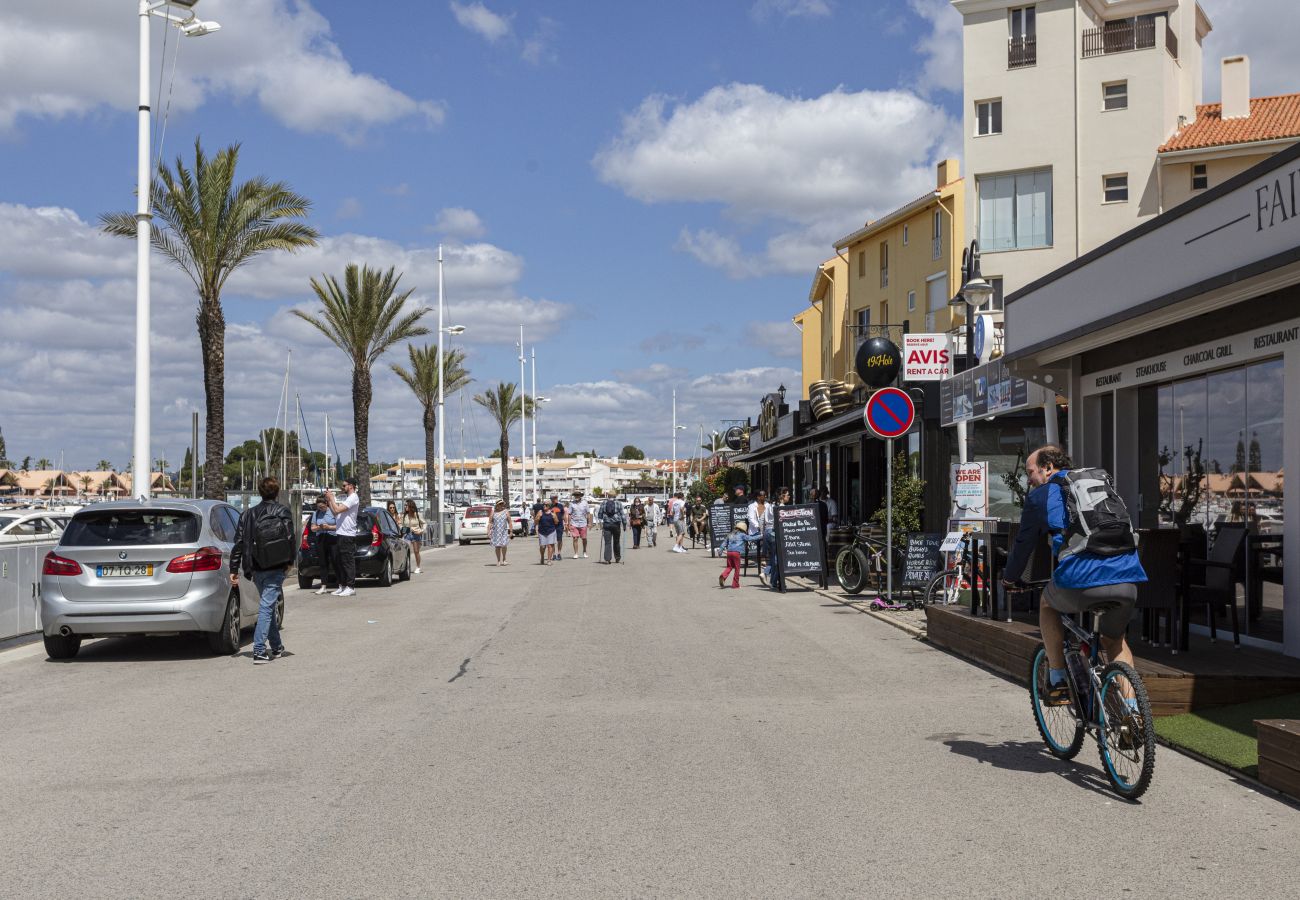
(272, 538)
(1099, 522)
(609, 509)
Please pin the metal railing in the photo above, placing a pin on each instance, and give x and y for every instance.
(1021, 52)
(1120, 37)
(936, 248)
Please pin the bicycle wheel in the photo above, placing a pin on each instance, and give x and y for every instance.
(1127, 736)
(1060, 728)
(937, 590)
(851, 570)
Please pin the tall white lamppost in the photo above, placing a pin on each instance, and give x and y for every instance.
(442, 433)
(676, 428)
(141, 470)
(523, 426)
(537, 407)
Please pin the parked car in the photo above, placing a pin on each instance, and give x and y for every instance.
(24, 526)
(158, 567)
(385, 556)
(475, 522)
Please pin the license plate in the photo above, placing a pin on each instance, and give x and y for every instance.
(125, 570)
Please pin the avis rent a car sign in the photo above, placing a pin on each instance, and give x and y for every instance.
(927, 357)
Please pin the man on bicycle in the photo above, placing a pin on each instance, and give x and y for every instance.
(1080, 582)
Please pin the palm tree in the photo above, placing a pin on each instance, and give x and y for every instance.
(422, 378)
(505, 406)
(43, 463)
(210, 227)
(104, 466)
(86, 482)
(364, 318)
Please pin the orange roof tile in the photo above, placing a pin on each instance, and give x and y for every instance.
(1271, 118)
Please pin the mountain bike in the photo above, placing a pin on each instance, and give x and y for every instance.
(865, 562)
(1126, 736)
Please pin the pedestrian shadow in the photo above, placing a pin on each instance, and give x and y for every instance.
(1027, 756)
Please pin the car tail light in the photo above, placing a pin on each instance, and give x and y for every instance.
(207, 559)
(59, 565)
(306, 533)
(374, 535)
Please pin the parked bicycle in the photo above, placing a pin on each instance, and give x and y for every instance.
(946, 586)
(865, 562)
(1100, 695)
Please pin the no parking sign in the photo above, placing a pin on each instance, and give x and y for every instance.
(890, 413)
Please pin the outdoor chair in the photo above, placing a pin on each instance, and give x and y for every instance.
(1158, 595)
(1216, 585)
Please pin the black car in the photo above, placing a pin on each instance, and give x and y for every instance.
(386, 555)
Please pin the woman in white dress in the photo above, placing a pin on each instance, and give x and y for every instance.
(501, 532)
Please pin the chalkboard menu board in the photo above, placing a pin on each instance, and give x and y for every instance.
(800, 548)
(720, 523)
(924, 559)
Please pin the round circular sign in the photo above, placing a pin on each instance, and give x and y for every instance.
(735, 437)
(878, 361)
(981, 336)
(890, 413)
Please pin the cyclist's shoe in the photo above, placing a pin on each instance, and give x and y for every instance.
(1057, 695)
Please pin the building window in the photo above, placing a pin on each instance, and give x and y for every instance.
(1015, 211)
(884, 263)
(1115, 188)
(904, 235)
(936, 299)
(884, 313)
(1114, 95)
(936, 234)
(864, 324)
(862, 263)
(911, 301)
(1022, 44)
(988, 117)
(1200, 176)
(995, 303)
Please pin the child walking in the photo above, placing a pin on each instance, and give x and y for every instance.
(735, 545)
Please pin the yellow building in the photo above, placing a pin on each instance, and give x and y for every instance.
(826, 358)
(904, 267)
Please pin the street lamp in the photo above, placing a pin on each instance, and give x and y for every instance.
(537, 401)
(141, 471)
(442, 432)
(676, 428)
(974, 293)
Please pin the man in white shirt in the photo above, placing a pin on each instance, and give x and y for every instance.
(832, 508)
(345, 532)
(579, 517)
(759, 516)
(677, 521)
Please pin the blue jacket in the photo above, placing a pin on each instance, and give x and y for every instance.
(737, 540)
(1046, 513)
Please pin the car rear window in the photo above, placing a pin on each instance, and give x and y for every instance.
(131, 527)
(477, 511)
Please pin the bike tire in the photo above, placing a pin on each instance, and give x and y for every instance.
(1118, 726)
(1059, 727)
(936, 591)
(851, 570)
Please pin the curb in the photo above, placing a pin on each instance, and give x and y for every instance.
(1254, 783)
(860, 606)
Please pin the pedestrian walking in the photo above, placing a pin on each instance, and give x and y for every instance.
(502, 531)
(413, 530)
(548, 528)
(652, 522)
(562, 518)
(345, 508)
(636, 517)
(579, 515)
(612, 519)
(737, 539)
(264, 551)
(677, 522)
(321, 530)
(759, 518)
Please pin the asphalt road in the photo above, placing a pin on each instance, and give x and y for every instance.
(583, 731)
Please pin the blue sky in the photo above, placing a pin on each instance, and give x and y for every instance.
(647, 187)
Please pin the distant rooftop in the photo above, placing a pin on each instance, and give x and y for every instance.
(1270, 119)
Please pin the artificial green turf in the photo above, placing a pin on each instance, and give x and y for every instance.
(1226, 734)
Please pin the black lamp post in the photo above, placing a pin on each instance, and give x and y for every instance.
(974, 293)
(781, 392)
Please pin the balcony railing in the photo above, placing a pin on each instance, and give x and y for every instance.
(936, 247)
(1125, 35)
(1021, 52)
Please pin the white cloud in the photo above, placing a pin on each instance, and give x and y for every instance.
(457, 222)
(813, 167)
(780, 340)
(482, 21)
(60, 59)
(350, 208)
(809, 9)
(1262, 29)
(941, 46)
(397, 190)
(539, 46)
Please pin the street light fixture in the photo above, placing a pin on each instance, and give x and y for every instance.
(974, 293)
(537, 401)
(141, 470)
(439, 539)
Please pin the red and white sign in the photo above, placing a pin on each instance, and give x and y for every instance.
(970, 489)
(927, 357)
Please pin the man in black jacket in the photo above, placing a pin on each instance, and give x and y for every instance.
(260, 552)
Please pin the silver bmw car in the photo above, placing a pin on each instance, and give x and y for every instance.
(155, 567)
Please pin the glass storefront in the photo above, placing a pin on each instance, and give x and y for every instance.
(1211, 454)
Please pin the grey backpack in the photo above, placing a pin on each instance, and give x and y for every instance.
(1099, 522)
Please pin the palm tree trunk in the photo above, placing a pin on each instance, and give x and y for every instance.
(361, 395)
(212, 342)
(505, 466)
(431, 466)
